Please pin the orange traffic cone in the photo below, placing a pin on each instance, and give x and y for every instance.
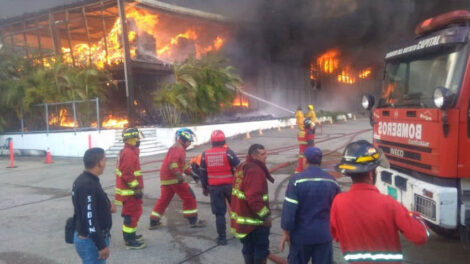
(260, 131)
(248, 135)
(48, 157)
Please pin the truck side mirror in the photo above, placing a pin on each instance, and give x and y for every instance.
(368, 101)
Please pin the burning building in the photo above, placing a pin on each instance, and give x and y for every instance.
(321, 52)
(137, 41)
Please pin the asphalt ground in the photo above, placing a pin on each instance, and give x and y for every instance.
(35, 202)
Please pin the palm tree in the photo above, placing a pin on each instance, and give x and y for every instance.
(25, 82)
(201, 88)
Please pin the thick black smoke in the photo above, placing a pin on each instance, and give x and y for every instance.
(277, 39)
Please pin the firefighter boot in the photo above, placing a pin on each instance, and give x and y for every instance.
(194, 222)
(131, 242)
(139, 238)
(154, 224)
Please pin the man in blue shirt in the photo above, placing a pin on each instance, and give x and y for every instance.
(306, 212)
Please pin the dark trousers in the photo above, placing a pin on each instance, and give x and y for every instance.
(256, 245)
(318, 253)
(219, 194)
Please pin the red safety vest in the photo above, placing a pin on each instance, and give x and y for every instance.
(218, 167)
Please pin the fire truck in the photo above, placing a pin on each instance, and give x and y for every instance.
(421, 123)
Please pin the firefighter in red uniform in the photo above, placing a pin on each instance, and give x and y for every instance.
(217, 167)
(365, 222)
(172, 181)
(250, 216)
(129, 186)
(306, 138)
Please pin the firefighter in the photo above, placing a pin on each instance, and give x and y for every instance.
(309, 127)
(217, 167)
(311, 114)
(129, 186)
(306, 138)
(250, 216)
(306, 212)
(365, 222)
(299, 117)
(172, 181)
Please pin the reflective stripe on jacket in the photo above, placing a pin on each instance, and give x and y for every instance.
(249, 204)
(174, 162)
(367, 224)
(307, 203)
(128, 174)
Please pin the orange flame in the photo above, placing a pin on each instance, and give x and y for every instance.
(364, 74)
(346, 77)
(141, 22)
(63, 120)
(312, 72)
(240, 101)
(328, 62)
(113, 122)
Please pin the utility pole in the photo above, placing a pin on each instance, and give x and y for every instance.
(127, 64)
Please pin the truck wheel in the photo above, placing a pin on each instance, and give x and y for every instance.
(444, 232)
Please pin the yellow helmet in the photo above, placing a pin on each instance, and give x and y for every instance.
(310, 107)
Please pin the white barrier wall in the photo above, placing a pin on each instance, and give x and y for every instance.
(74, 144)
(166, 136)
(66, 144)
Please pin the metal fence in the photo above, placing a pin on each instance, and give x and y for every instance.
(63, 116)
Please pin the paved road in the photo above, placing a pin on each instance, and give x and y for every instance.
(35, 201)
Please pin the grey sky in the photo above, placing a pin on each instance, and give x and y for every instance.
(11, 8)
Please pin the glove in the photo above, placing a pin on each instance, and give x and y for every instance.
(205, 192)
(138, 193)
(416, 215)
(268, 221)
(180, 178)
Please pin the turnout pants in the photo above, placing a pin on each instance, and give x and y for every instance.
(184, 192)
(318, 253)
(300, 165)
(131, 212)
(219, 194)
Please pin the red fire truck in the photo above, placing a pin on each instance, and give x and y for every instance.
(422, 123)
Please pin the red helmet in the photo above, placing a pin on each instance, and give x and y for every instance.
(217, 136)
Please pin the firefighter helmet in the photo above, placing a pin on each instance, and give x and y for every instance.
(217, 136)
(358, 157)
(308, 122)
(310, 107)
(129, 133)
(185, 134)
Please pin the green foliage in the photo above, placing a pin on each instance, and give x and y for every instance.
(25, 82)
(333, 114)
(201, 88)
